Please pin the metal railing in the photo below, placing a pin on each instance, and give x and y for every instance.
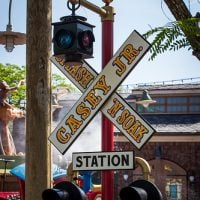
(123, 89)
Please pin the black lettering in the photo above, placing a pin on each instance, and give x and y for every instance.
(86, 160)
(125, 160)
(101, 159)
(79, 162)
(108, 160)
(115, 160)
(94, 161)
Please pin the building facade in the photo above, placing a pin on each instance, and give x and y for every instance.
(173, 152)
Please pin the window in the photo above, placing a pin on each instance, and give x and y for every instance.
(194, 104)
(194, 100)
(156, 108)
(174, 189)
(194, 108)
(176, 100)
(176, 108)
(160, 100)
(172, 105)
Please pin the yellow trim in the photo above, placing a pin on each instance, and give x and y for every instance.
(146, 169)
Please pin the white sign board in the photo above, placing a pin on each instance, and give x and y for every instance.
(103, 160)
(99, 91)
(82, 76)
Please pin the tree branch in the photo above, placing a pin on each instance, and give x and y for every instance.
(180, 12)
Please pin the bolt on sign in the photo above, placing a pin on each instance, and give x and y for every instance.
(97, 92)
(103, 160)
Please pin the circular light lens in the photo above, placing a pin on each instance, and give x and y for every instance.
(64, 39)
(86, 38)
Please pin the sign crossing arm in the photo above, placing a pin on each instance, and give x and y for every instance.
(82, 76)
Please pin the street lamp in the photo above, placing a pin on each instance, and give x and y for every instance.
(125, 176)
(10, 38)
(131, 98)
(145, 100)
(192, 189)
(191, 178)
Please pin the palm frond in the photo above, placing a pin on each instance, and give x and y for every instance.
(172, 36)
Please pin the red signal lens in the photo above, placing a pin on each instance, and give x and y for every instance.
(86, 39)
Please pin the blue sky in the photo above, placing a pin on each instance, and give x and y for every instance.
(130, 15)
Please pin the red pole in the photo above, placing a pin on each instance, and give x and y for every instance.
(107, 17)
(107, 126)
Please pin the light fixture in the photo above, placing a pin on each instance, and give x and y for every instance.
(191, 178)
(131, 98)
(145, 99)
(10, 38)
(125, 176)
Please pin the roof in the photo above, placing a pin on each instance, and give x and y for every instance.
(188, 124)
(167, 87)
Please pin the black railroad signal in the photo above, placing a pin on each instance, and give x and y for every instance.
(64, 191)
(73, 37)
(141, 190)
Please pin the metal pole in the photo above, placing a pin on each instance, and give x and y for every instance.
(107, 16)
(107, 126)
(38, 115)
(146, 169)
(90, 6)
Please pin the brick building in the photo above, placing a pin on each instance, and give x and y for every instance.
(173, 152)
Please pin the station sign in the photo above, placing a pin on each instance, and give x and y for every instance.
(103, 161)
(97, 92)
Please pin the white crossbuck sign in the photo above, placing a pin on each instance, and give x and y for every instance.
(99, 94)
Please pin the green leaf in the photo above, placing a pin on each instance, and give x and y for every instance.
(171, 37)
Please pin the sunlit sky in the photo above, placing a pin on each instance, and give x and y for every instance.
(130, 15)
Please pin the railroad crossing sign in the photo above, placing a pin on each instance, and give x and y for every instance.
(82, 76)
(98, 94)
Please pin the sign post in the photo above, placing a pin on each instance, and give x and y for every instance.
(107, 135)
(98, 93)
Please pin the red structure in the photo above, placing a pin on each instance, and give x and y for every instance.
(107, 17)
(107, 126)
